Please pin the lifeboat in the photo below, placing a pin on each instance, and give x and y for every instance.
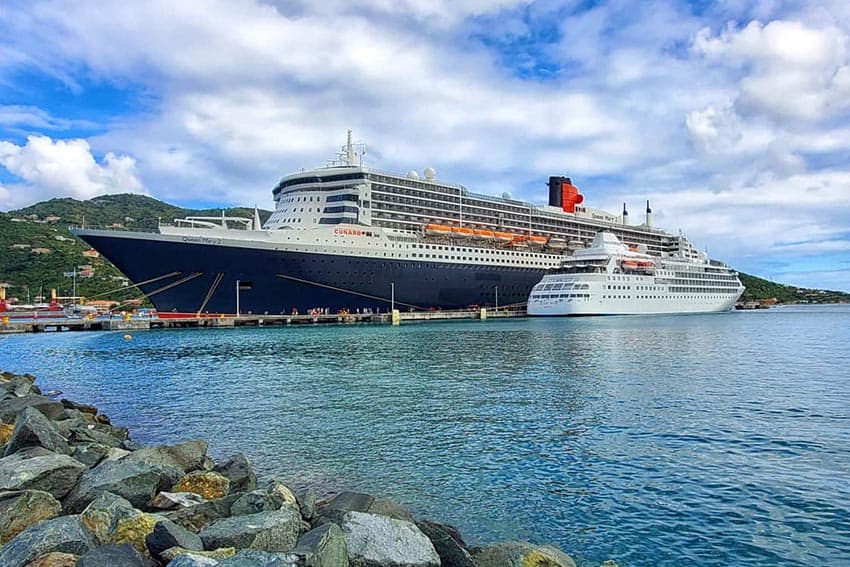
(503, 236)
(646, 264)
(557, 243)
(630, 264)
(537, 241)
(575, 244)
(437, 230)
(519, 241)
(461, 232)
(482, 234)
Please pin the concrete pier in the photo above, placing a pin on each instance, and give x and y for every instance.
(9, 326)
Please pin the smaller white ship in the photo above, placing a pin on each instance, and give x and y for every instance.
(610, 278)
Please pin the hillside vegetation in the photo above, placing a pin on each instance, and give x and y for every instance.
(36, 249)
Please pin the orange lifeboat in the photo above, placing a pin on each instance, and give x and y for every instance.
(630, 264)
(482, 234)
(437, 230)
(503, 236)
(537, 240)
(461, 232)
(646, 264)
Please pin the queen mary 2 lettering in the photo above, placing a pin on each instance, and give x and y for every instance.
(347, 236)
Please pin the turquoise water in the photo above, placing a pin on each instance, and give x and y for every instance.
(675, 440)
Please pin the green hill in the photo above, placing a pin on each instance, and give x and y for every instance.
(36, 248)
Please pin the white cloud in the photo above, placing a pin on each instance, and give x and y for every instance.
(64, 168)
(791, 71)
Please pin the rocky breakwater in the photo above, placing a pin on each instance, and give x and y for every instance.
(76, 490)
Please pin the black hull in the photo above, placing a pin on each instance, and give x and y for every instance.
(276, 282)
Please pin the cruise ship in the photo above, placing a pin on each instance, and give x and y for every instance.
(345, 236)
(611, 278)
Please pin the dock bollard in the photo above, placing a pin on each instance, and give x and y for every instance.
(396, 317)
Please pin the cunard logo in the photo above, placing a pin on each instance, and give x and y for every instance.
(348, 231)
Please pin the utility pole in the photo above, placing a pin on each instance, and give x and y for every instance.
(237, 298)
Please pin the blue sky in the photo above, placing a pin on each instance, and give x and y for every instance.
(733, 117)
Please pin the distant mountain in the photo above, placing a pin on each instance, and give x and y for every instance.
(36, 249)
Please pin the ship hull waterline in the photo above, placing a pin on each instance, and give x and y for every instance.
(203, 278)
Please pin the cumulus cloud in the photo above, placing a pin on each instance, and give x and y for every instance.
(791, 71)
(51, 168)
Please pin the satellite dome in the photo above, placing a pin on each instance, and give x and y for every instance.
(430, 173)
(412, 174)
(506, 196)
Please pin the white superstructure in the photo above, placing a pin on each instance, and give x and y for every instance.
(610, 278)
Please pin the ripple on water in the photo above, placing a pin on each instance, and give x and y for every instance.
(712, 440)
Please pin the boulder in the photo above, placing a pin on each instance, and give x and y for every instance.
(6, 430)
(32, 429)
(21, 509)
(187, 456)
(207, 484)
(266, 531)
(36, 468)
(170, 555)
(255, 558)
(113, 520)
(114, 555)
(83, 408)
(389, 508)
(522, 554)
(174, 500)
(379, 540)
(18, 385)
(84, 432)
(10, 408)
(55, 559)
(343, 503)
(166, 534)
(306, 498)
(90, 454)
(137, 482)
(239, 471)
(323, 547)
(196, 518)
(65, 534)
(256, 501)
(193, 560)
(448, 543)
(285, 493)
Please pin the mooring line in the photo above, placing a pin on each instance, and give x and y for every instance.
(135, 285)
(293, 278)
(210, 293)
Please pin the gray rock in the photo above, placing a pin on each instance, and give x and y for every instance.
(137, 482)
(240, 472)
(189, 560)
(195, 518)
(345, 502)
(84, 432)
(22, 509)
(113, 555)
(185, 456)
(521, 554)
(90, 454)
(256, 558)
(36, 468)
(306, 498)
(323, 547)
(33, 429)
(83, 408)
(19, 385)
(450, 547)
(256, 501)
(9, 409)
(266, 531)
(64, 534)
(101, 517)
(130, 445)
(175, 500)
(386, 507)
(166, 534)
(378, 540)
